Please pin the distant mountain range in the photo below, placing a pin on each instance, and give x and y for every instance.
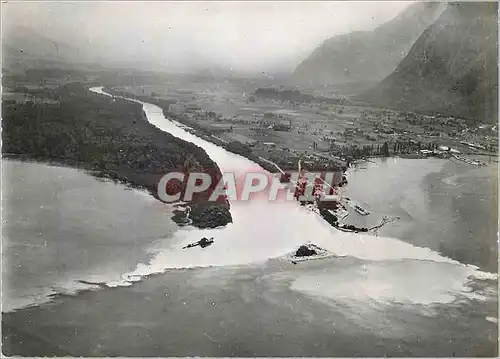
(432, 57)
(367, 56)
(24, 47)
(451, 69)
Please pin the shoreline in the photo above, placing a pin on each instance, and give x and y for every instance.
(115, 163)
(79, 166)
(141, 315)
(470, 242)
(266, 164)
(179, 217)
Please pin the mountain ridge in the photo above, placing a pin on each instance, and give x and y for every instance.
(451, 68)
(367, 55)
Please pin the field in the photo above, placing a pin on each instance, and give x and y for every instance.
(321, 133)
(230, 110)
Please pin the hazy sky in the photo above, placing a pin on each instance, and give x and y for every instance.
(255, 36)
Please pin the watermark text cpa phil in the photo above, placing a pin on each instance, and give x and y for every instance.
(306, 187)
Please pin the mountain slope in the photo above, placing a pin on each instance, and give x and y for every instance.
(451, 69)
(367, 55)
(24, 47)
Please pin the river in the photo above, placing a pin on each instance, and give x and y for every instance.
(379, 278)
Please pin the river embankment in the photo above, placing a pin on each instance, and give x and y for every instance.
(110, 138)
(388, 298)
(235, 147)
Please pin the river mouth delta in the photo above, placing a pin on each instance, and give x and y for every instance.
(109, 277)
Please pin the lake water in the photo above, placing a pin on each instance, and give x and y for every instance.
(447, 206)
(62, 225)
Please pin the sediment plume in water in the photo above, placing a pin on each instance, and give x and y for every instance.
(264, 230)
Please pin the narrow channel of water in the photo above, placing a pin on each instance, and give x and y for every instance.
(62, 226)
(264, 230)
